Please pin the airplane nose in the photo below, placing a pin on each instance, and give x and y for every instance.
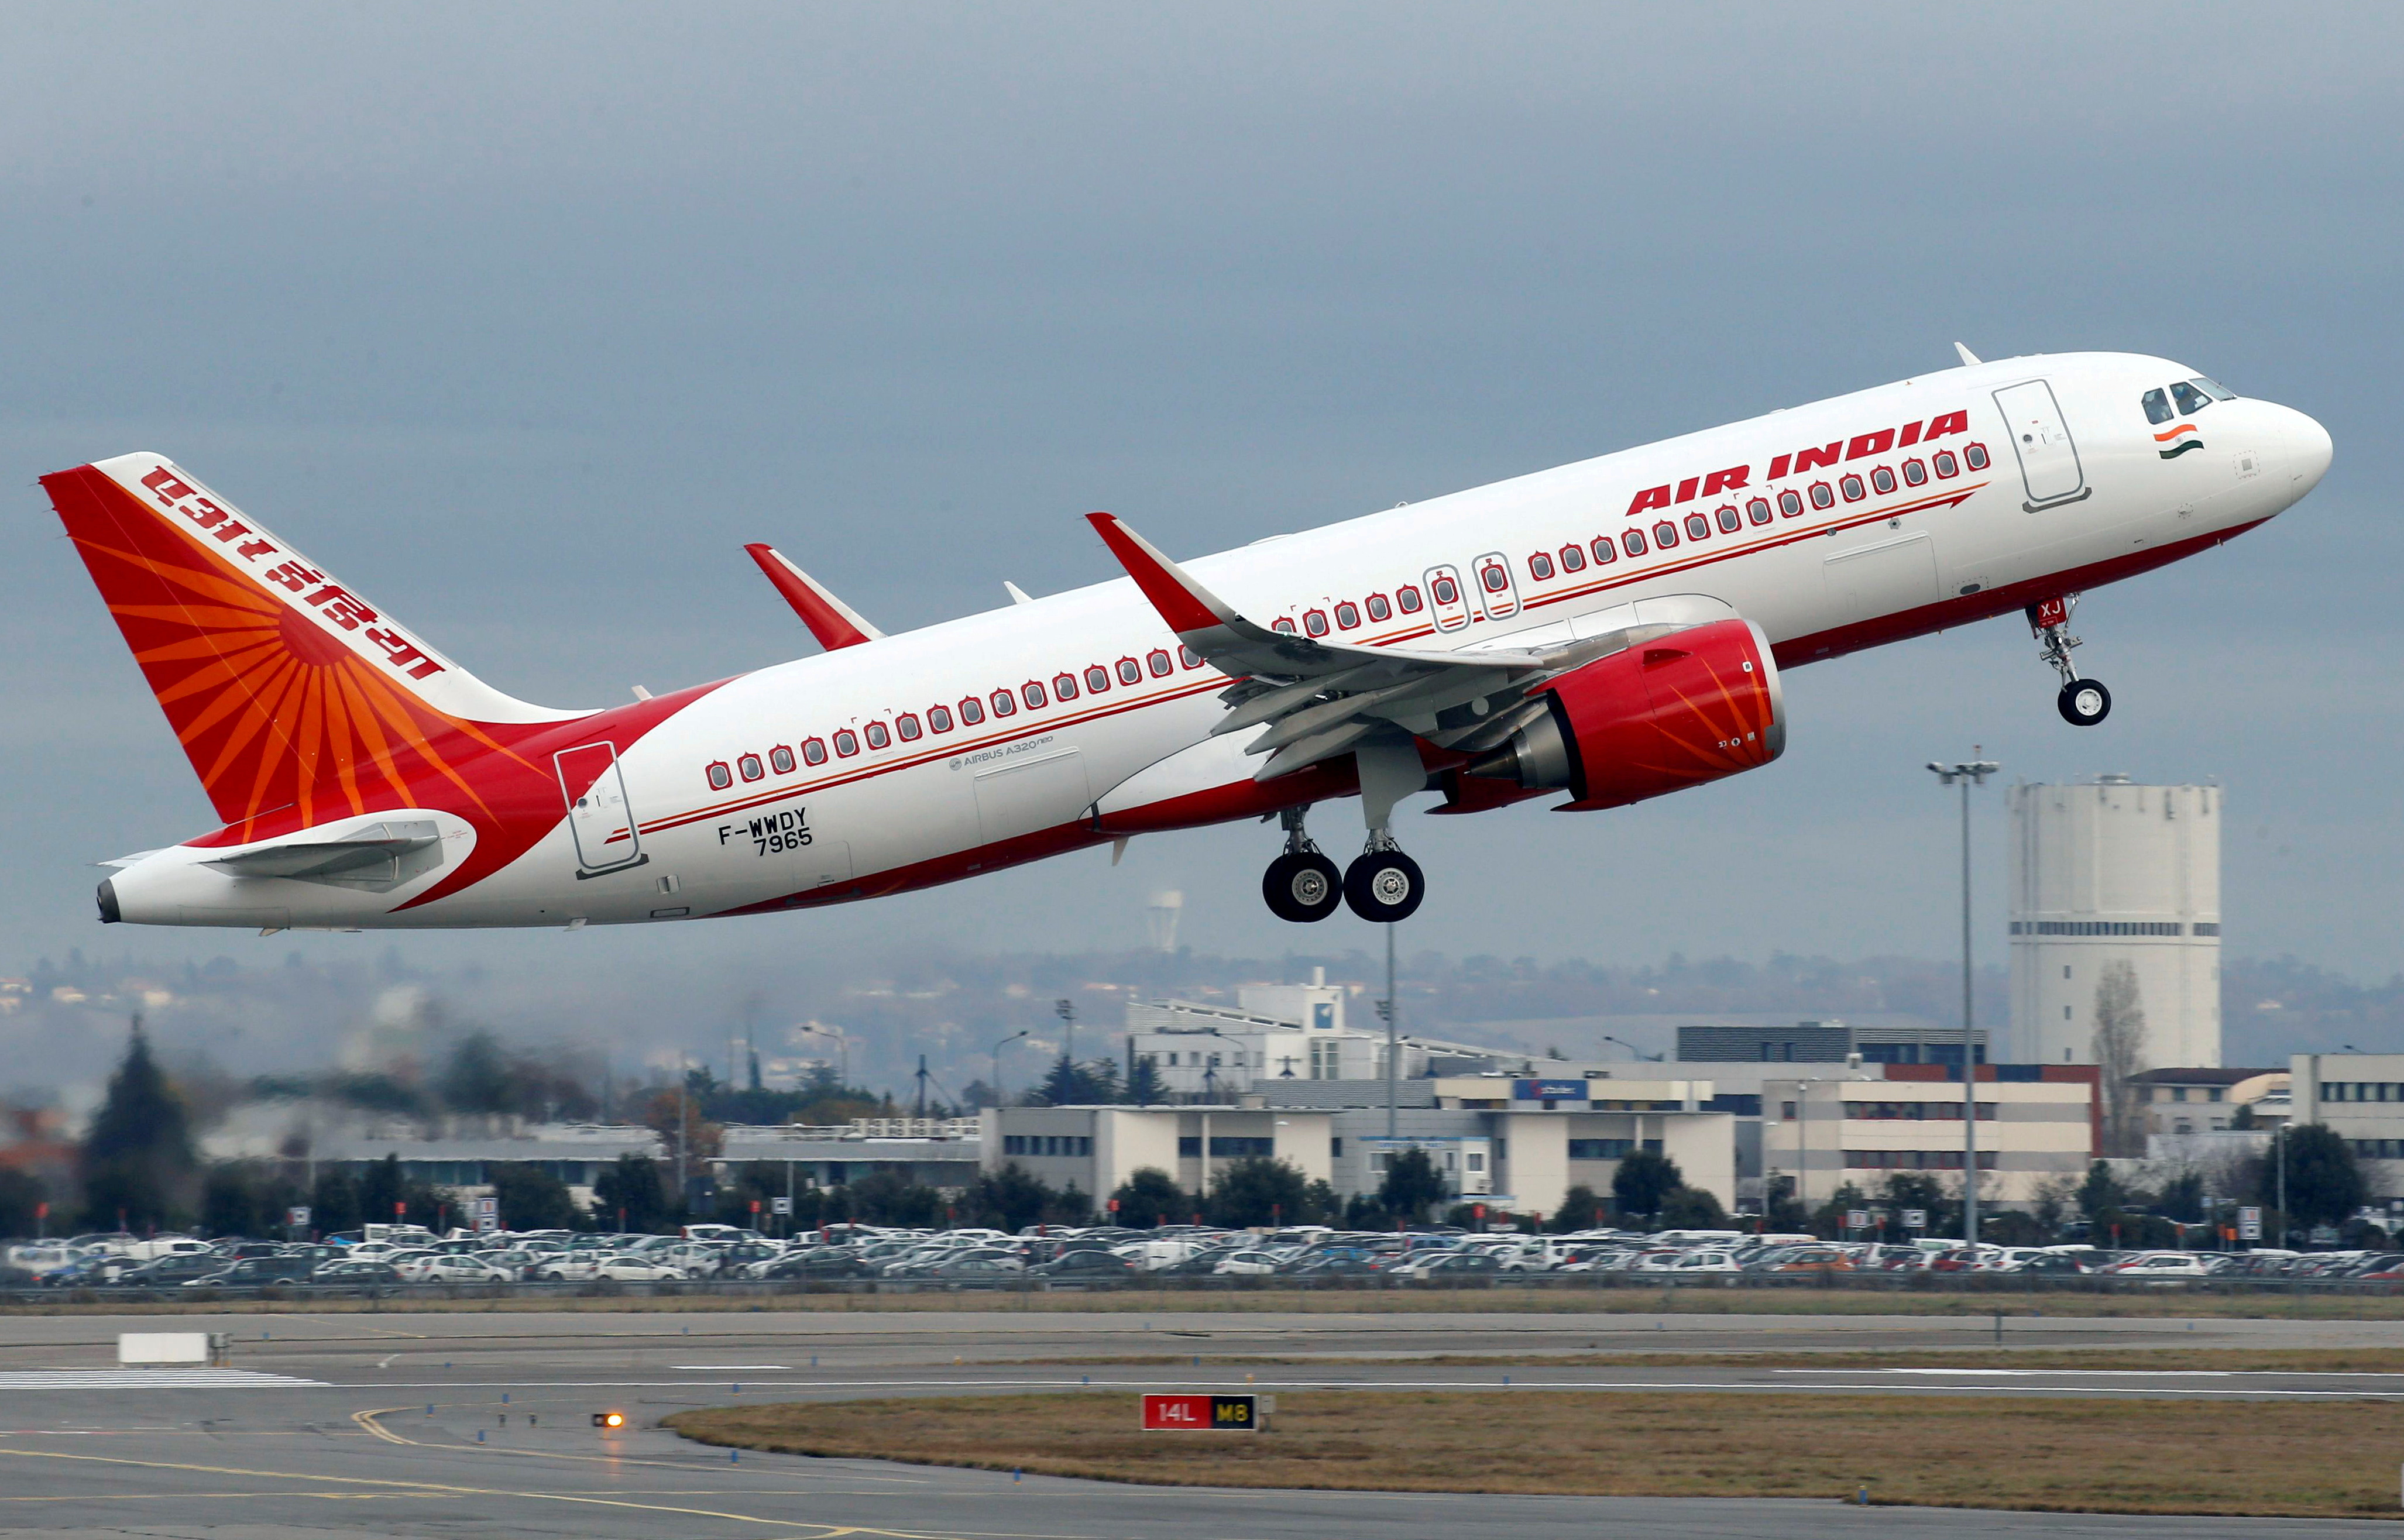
(2308, 449)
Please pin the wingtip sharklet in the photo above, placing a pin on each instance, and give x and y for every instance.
(833, 622)
(1184, 604)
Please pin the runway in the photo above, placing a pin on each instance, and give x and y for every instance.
(361, 1426)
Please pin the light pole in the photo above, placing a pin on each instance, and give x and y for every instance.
(843, 1046)
(1633, 1051)
(1066, 1010)
(1967, 774)
(996, 1060)
(1393, 1041)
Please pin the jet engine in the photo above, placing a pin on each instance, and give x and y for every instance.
(1672, 711)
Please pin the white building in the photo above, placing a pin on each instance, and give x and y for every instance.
(2359, 1097)
(1274, 1031)
(1857, 1126)
(2112, 871)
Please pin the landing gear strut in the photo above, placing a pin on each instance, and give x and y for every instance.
(2082, 703)
(1300, 885)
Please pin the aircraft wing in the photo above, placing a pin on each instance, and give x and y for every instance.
(1317, 699)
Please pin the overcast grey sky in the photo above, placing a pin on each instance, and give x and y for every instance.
(523, 318)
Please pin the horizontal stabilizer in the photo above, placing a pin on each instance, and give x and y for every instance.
(381, 853)
(833, 622)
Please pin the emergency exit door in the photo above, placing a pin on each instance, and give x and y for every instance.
(597, 814)
(2048, 460)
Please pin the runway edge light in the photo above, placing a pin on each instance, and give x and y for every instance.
(609, 1420)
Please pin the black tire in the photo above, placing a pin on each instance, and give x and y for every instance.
(2083, 703)
(1302, 887)
(1384, 887)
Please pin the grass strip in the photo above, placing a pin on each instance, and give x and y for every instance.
(2303, 1459)
(2142, 1360)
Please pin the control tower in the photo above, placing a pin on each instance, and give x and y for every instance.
(2113, 872)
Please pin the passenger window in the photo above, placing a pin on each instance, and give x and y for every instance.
(1697, 527)
(1915, 472)
(1064, 687)
(1572, 559)
(877, 735)
(1449, 592)
(780, 760)
(2190, 400)
(1315, 623)
(1097, 679)
(938, 718)
(971, 711)
(1855, 492)
(721, 778)
(1189, 657)
(1495, 579)
(2158, 406)
(814, 751)
(1004, 703)
(1947, 466)
(1032, 692)
(1975, 456)
(1347, 615)
(1825, 495)
(1604, 551)
(749, 765)
(1882, 480)
(1790, 502)
(1665, 535)
(1378, 606)
(907, 725)
(1407, 598)
(847, 743)
(1286, 626)
(1158, 660)
(1634, 542)
(1540, 567)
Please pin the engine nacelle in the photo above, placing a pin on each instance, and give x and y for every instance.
(1682, 708)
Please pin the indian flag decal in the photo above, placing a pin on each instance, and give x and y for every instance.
(2186, 439)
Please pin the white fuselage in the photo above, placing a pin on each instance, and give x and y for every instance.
(1818, 583)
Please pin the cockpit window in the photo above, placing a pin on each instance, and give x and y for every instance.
(2213, 389)
(2158, 406)
(2190, 400)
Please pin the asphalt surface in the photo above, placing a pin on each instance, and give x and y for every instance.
(389, 1426)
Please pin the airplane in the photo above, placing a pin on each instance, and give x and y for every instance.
(1614, 629)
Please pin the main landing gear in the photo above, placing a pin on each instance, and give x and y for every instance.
(2082, 703)
(1382, 885)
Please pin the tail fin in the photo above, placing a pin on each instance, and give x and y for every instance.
(286, 690)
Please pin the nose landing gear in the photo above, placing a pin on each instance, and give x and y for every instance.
(1300, 885)
(2082, 703)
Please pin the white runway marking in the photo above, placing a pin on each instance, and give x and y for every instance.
(121, 1379)
(728, 1365)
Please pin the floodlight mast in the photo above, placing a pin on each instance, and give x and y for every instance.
(1967, 774)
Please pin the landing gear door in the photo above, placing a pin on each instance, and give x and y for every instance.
(597, 814)
(2048, 460)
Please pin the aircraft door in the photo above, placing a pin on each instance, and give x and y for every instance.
(2048, 460)
(597, 814)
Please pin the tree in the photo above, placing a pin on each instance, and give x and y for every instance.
(1143, 1085)
(530, 1197)
(633, 1186)
(1007, 1199)
(1319, 1205)
(1644, 1179)
(226, 1207)
(137, 1160)
(477, 1077)
(1256, 1190)
(888, 1197)
(1784, 1212)
(2054, 1199)
(333, 1202)
(1919, 1190)
(1150, 1197)
(2100, 1194)
(1412, 1185)
(1580, 1209)
(2182, 1198)
(2324, 1184)
(1072, 1205)
(21, 1197)
(1685, 1208)
(2119, 1049)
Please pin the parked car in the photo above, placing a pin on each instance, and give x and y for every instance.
(253, 1273)
(463, 1270)
(181, 1267)
(1085, 1264)
(356, 1273)
(1452, 1266)
(623, 1267)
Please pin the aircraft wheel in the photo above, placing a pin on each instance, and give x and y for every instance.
(1302, 885)
(1384, 886)
(2083, 703)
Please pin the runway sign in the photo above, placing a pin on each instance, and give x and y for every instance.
(1200, 1413)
